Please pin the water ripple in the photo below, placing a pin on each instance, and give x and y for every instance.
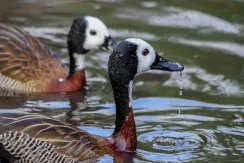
(234, 48)
(180, 18)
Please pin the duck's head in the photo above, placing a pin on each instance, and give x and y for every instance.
(135, 56)
(130, 58)
(89, 33)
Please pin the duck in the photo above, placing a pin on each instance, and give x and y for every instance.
(27, 65)
(40, 138)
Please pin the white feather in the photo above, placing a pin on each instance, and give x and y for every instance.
(79, 61)
(144, 62)
(94, 41)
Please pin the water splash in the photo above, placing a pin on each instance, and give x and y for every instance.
(180, 83)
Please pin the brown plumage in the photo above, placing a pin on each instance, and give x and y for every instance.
(26, 62)
(28, 65)
(66, 140)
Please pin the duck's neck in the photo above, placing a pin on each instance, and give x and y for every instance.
(77, 63)
(77, 60)
(76, 77)
(125, 131)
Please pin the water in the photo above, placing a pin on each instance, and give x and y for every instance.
(206, 36)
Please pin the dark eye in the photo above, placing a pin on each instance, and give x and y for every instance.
(93, 33)
(145, 52)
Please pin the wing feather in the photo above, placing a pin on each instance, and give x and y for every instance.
(25, 58)
(67, 140)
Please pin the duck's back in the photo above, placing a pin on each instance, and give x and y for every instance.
(26, 63)
(32, 132)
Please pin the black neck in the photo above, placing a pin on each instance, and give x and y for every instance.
(72, 61)
(72, 65)
(122, 68)
(122, 99)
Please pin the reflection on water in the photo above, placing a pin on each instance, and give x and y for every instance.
(206, 36)
(181, 18)
(230, 47)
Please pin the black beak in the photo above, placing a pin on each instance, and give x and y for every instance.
(108, 44)
(162, 64)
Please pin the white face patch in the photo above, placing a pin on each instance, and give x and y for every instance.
(144, 61)
(79, 61)
(96, 25)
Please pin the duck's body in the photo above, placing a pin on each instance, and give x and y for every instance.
(28, 65)
(129, 58)
(68, 142)
(64, 139)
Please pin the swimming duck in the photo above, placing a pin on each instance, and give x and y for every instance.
(28, 65)
(40, 138)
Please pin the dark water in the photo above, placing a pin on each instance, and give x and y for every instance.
(207, 36)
